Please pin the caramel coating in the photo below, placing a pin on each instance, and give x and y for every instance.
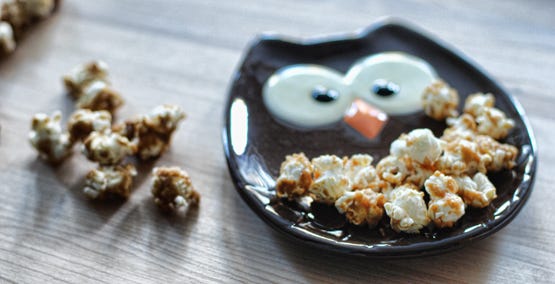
(295, 177)
(48, 139)
(361, 207)
(172, 189)
(99, 96)
(83, 121)
(109, 181)
(440, 101)
(81, 76)
(107, 148)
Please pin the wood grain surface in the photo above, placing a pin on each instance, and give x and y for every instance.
(185, 52)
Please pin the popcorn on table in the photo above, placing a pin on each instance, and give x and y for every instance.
(83, 75)
(445, 207)
(477, 191)
(7, 41)
(440, 101)
(107, 148)
(295, 177)
(152, 132)
(99, 96)
(172, 188)
(83, 121)
(109, 181)
(47, 137)
(329, 181)
(361, 206)
(406, 209)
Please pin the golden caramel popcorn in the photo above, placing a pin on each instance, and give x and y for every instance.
(329, 179)
(477, 191)
(361, 173)
(361, 207)
(489, 120)
(172, 188)
(420, 145)
(462, 157)
(445, 207)
(47, 137)
(107, 148)
(83, 121)
(406, 209)
(14, 13)
(99, 96)
(109, 181)
(295, 177)
(7, 41)
(476, 103)
(440, 101)
(83, 75)
(152, 132)
(503, 156)
(463, 127)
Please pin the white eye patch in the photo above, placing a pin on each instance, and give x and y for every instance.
(308, 95)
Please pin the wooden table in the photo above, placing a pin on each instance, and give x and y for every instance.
(184, 52)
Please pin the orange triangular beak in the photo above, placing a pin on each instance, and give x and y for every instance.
(366, 119)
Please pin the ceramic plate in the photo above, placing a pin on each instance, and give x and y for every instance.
(256, 144)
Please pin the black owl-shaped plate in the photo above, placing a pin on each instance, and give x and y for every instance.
(255, 143)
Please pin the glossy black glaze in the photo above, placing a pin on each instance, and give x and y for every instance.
(255, 144)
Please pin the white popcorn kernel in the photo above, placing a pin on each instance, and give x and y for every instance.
(476, 103)
(420, 145)
(360, 172)
(83, 75)
(438, 185)
(7, 40)
(440, 101)
(463, 157)
(330, 181)
(445, 207)
(493, 122)
(406, 209)
(109, 181)
(361, 206)
(503, 156)
(99, 96)
(392, 169)
(164, 118)
(295, 177)
(477, 191)
(83, 121)
(47, 137)
(107, 148)
(172, 188)
(463, 127)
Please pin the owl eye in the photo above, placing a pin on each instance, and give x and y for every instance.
(391, 81)
(307, 95)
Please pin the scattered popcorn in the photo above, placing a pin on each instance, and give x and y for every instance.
(360, 172)
(330, 181)
(152, 133)
(107, 148)
(99, 96)
(109, 181)
(83, 75)
(420, 145)
(295, 177)
(172, 188)
(440, 101)
(48, 138)
(494, 123)
(361, 206)
(476, 103)
(7, 41)
(406, 209)
(83, 121)
(445, 207)
(477, 191)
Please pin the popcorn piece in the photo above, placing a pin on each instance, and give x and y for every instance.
(361, 173)
(83, 121)
(83, 75)
(107, 148)
(406, 209)
(152, 133)
(476, 103)
(99, 96)
(48, 138)
(420, 145)
(295, 177)
(445, 207)
(477, 191)
(494, 123)
(440, 101)
(503, 155)
(14, 12)
(172, 188)
(361, 206)
(330, 181)
(7, 41)
(109, 181)
(463, 157)
(463, 127)
(392, 169)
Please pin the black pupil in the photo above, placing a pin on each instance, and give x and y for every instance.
(325, 95)
(385, 88)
